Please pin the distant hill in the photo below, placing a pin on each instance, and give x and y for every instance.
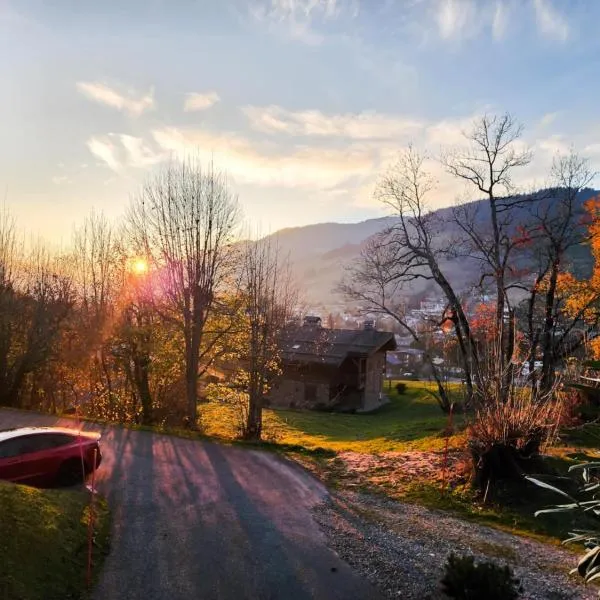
(320, 252)
(322, 238)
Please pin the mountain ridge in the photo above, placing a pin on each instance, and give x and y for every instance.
(319, 252)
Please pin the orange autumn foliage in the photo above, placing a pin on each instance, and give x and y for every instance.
(581, 296)
(483, 322)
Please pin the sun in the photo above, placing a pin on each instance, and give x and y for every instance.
(139, 266)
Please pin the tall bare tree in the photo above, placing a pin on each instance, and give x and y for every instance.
(413, 248)
(267, 298)
(185, 219)
(492, 154)
(98, 267)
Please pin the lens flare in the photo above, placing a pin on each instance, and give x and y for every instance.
(139, 266)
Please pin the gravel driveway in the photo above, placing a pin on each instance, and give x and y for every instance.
(402, 549)
(196, 520)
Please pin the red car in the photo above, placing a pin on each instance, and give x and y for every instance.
(47, 456)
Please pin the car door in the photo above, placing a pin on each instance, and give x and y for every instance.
(39, 459)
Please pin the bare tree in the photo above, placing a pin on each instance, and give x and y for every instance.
(98, 270)
(266, 298)
(184, 219)
(493, 153)
(411, 249)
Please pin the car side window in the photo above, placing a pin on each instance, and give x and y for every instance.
(56, 440)
(46, 441)
(17, 446)
(33, 443)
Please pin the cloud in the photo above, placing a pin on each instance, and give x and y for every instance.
(119, 151)
(58, 179)
(548, 119)
(302, 166)
(448, 132)
(499, 20)
(554, 144)
(195, 101)
(103, 94)
(138, 154)
(357, 126)
(455, 18)
(549, 21)
(463, 19)
(299, 18)
(106, 151)
(271, 165)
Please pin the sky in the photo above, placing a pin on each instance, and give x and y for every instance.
(304, 103)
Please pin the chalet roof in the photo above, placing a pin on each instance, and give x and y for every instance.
(332, 346)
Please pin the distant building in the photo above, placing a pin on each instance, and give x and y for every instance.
(332, 369)
(404, 360)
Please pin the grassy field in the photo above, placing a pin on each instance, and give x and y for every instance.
(412, 421)
(43, 542)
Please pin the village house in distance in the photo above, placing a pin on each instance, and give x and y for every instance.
(333, 369)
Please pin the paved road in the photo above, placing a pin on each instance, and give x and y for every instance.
(197, 520)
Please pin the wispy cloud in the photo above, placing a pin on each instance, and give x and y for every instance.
(548, 119)
(300, 18)
(60, 179)
(105, 150)
(455, 18)
(119, 151)
(499, 20)
(549, 21)
(275, 166)
(131, 103)
(358, 126)
(196, 101)
(458, 20)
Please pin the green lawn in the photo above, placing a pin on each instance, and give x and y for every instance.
(43, 542)
(412, 421)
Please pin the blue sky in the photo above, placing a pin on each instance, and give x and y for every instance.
(303, 102)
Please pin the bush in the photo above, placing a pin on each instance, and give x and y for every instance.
(465, 580)
(505, 436)
(401, 388)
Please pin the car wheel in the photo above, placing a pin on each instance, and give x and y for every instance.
(70, 473)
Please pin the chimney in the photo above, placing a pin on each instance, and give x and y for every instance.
(368, 324)
(312, 321)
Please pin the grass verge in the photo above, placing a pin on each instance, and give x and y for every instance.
(43, 542)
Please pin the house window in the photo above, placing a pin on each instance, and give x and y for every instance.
(310, 392)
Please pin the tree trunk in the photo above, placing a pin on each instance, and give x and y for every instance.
(254, 421)
(192, 363)
(547, 375)
(142, 383)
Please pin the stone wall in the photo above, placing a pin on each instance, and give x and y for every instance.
(294, 393)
